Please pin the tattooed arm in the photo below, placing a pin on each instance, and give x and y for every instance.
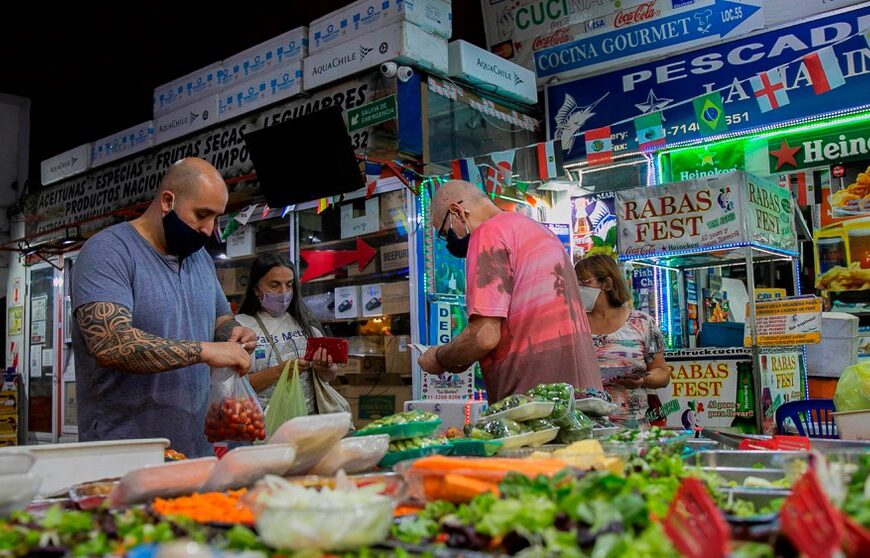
(112, 340)
(228, 329)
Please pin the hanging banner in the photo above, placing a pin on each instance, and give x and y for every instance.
(135, 180)
(594, 219)
(703, 391)
(787, 322)
(602, 100)
(770, 214)
(781, 382)
(680, 216)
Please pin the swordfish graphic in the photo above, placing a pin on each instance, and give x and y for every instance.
(571, 117)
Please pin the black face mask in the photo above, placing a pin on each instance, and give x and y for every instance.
(458, 247)
(182, 240)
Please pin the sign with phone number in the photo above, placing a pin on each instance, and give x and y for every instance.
(602, 100)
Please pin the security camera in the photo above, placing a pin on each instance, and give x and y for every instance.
(404, 73)
(388, 69)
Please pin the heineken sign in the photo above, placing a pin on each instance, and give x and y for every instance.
(698, 162)
(788, 153)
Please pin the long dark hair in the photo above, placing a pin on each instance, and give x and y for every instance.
(251, 303)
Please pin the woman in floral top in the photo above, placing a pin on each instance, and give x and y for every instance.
(629, 344)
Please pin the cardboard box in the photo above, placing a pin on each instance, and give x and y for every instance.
(242, 242)
(186, 120)
(185, 90)
(353, 269)
(397, 354)
(370, 402)
(69, 163)
(365, 16)
(7, 441)
(394, 256)
(126, 142)
(355, 222)
(452, 413)
(267, 56)
(347, 303)
(371, 300)
(396, 298)
(839, 347)
(8, 403)
(401, 42)
(368, 364)
(393, 210)
(263, 89)
(233, 280)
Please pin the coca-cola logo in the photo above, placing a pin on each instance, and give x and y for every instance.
(557, 37)
(641, 12)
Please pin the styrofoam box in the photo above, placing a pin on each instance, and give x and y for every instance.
(282, 50)
(264, 89)
(452, 413)
(186, 89)
(195, 116)
(68, 163)
(63, 465)
(839, 346)
(129, 141)
(402, 42)
(364, 16)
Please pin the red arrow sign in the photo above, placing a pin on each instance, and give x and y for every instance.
(324, 262)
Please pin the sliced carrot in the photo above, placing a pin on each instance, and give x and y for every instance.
(459, 488)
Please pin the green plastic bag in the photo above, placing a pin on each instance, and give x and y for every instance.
(288, 399)
(853, 389)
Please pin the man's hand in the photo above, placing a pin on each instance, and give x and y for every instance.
(226, 355)
(245, 336)
(429, 362)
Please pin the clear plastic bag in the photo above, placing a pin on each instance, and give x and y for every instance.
(578, 427)
(288, 399)
(853, 388)
(234, 412)
(313, 437)
(244, 466)
(563, 396)
(353, 455)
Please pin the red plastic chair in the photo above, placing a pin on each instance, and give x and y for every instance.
(813, 418)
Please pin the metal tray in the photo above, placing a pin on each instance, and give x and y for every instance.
(746, 459)
(739, 474)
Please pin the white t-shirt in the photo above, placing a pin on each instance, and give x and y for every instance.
(290, 341)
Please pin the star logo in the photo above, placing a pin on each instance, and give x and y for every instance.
(785, 155)
(653, 103)
(707, 158)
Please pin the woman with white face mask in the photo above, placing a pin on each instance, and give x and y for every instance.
(628, 343)
(274, 309)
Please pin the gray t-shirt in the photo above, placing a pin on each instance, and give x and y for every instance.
(175, 302)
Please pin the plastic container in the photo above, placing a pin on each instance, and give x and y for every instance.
(62, 466)
(353, 455)
(162, 481)
(16, 491)
(90, 495)
(398, 456)
(403, 431)
(595, 407)
(328, 528)
(530, 439)
(16, 463)
(244, 466)
(526, 411)
(475, 448)
(314, 436)
(853, 425)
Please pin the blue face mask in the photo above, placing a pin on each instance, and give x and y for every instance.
(182, 240)
(276, 303)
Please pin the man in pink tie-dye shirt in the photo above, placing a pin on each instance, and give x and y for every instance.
(527, 324)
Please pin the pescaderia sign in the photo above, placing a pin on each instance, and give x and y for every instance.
(576, 106)
(136, 179)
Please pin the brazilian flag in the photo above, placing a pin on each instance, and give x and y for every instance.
(710, 113)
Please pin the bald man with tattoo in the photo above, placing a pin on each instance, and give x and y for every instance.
(151, 318)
